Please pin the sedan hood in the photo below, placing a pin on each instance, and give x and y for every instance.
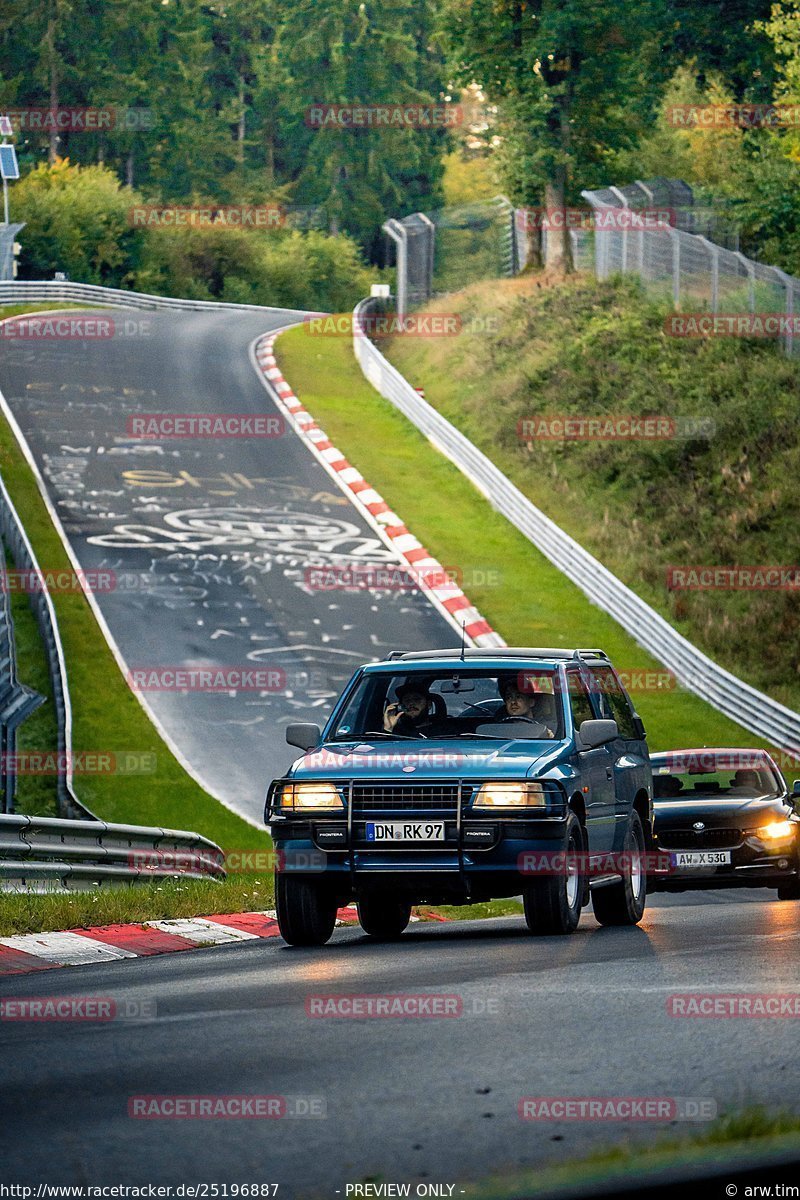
(722, 813)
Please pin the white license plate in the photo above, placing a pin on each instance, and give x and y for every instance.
(405, 831)
(700, 858)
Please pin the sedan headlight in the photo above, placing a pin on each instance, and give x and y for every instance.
(510, 795)
(777, 831)
(301, 796)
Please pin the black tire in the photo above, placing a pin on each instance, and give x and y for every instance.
(789, 890)
(306, 913)
(383, 916)
(553, 903)
(623, 903)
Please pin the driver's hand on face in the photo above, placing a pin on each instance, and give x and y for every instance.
(391, 715)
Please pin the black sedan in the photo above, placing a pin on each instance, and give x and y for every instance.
(724, 818)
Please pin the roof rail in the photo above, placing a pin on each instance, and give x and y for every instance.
(473, 652)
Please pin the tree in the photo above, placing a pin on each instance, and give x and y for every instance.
(377, 53)
(571, 79)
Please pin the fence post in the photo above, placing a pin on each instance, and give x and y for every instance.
(399, 236)
(713, 251)
(788, 287)
(751, 279)
(676, 267)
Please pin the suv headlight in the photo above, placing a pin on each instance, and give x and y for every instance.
(301, 796)
(510, 795)
(777, 831)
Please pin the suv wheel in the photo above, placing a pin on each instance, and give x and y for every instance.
(623, 903)
(306, 913)
(382, 916)
(553, 903)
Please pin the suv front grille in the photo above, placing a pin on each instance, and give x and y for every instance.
(708, 839)
(406, 797)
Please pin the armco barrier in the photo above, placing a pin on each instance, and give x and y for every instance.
(16, 539)
(38, 291)
(730, 695)
(48, 854)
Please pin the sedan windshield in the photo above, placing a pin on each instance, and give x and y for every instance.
(725, 777)
(454, 703)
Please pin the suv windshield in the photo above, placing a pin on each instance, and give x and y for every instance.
(454, 703)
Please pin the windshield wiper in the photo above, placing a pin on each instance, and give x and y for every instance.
(407, 737)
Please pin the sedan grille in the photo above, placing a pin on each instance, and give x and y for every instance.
(708, 839)
(401, 797)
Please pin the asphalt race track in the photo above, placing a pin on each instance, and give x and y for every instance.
(210, 540)
(414, 1099)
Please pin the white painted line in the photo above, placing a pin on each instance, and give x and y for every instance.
(197, 929)
(68, 949)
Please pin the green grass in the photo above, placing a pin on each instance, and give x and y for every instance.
(528, 601)
(584, 348)
(735, 1136)
(20, 913)
(475, 912)
(36, 794)
(106, 714)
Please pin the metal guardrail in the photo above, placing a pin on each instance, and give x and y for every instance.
(34, 291)
(48, 854)
(16, 539)
(694, 670)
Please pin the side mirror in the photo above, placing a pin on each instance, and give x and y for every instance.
(597, 733)
(796, 788)
(303, 734)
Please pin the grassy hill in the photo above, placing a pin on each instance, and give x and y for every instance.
(530, 347)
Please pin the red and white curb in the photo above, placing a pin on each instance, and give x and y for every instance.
(77, 947)
(446, 595)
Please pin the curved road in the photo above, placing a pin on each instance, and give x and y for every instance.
(210, 540)
(431, 1100)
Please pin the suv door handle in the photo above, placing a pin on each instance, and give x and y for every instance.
(609, 773)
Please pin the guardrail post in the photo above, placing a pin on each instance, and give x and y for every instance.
(676, 267)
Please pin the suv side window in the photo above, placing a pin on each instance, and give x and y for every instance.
(579, 701)
(613, 701)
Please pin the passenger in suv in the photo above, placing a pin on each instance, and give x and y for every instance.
(459, 805)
